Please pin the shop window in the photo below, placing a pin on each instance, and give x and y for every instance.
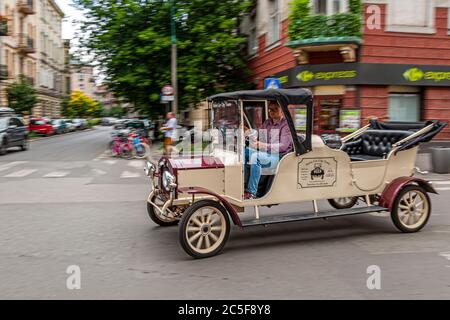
(329, 115)
(404, 107)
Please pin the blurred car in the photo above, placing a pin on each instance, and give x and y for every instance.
(59, 125)
(41, 126)
(136, 124)
(71, 127)
(13, 133)
(109, 121)
(80, 124)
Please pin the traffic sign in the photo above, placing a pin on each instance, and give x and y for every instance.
(272, 83)
(167, 90)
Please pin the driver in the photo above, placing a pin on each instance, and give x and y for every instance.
(264, 153)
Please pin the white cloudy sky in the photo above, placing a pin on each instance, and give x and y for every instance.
(72, 15)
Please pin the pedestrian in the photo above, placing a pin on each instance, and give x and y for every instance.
(169, 129)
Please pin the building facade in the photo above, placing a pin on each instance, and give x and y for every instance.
(395, 67)
(82, 78)
(33, 47)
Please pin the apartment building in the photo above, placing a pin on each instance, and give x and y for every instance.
(82, 78)
(33, 47)
(396, 66)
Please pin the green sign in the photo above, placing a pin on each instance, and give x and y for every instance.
(349, 120)
(365, 74)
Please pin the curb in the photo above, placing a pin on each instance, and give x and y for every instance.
(60, 135)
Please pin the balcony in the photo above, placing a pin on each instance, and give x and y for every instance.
(26, 44)
(3, 72)
(309, 33)
(26, 6)
(3, 26)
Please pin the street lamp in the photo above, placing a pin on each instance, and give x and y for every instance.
(174, 58)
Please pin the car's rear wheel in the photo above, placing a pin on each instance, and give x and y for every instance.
(411, 209)
(343, 203)
(204, 229)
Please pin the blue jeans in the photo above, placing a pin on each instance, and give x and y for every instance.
(258, 160)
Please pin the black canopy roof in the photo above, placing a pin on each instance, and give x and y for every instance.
(291, 96)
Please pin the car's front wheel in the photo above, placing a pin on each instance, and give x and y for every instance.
(164, 220)
(25, 144)
(204, 229)
(3, 148)
(411, 209)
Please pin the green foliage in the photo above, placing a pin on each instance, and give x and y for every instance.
(116, 112)
(79, 105)
(131, 39)
(21, 96)
(304, 25)
(355, 6)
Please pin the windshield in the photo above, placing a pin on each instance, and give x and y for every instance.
(37, 122)
(226, 125)
(3, 123)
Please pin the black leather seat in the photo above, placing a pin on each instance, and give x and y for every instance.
(374, 144)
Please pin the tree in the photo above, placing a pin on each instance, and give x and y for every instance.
(131, 41)
(21, 96)
(80, 105)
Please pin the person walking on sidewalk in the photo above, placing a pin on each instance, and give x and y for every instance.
(169, 128)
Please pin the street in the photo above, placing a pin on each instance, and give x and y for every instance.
(65, 202)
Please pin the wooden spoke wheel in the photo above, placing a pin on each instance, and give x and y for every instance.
(204, 229)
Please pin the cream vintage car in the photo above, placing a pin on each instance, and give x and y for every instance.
(375, 164)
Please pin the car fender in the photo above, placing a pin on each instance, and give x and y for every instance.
(230, 209)
(392, 190)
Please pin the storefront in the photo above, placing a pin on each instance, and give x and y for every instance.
(398, 92)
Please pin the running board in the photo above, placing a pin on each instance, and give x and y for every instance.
(311, 216)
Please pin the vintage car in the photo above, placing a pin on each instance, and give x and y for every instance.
(375, 164)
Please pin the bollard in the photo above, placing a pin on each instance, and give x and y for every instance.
(440, 159)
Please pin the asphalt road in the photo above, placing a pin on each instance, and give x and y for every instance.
(64, 203)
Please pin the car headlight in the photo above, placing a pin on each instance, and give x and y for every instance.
(149, 169)
(168, 181)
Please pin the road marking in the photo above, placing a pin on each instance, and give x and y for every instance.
(110, 162)
(446, 255)
(57, 174)
(98, 171)
(136, 164)
(128, 174)
(21, 173)
(440, 182)
(11, 165)
(442, 189)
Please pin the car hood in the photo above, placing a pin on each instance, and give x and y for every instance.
(199, 162)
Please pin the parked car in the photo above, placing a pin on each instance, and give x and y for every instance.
(137, 124)
(13, 133)
(41, 126)
(81, 124)
(71, 127)
(109, 121)
(59, 125)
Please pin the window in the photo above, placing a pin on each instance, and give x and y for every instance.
(274, 22)
(252, 42)
(410, 16)
(404, 107)
(329, 7)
